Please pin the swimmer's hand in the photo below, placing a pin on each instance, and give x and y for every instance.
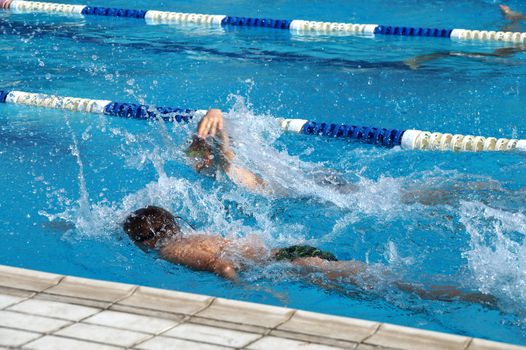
(225, 269)
(510, 14)
(210, 124)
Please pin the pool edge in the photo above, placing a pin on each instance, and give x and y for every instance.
(262, 326)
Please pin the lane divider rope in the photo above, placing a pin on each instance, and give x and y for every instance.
(406, 139)
(297, 26)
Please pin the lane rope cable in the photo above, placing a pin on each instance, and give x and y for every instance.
(296, 26)
(406, 139)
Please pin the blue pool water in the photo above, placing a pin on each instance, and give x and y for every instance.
(68, 179)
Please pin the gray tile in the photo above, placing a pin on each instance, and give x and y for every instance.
(480, 344)
(6, 300)
(54, 309)
(30, 322)
(36, 281)
(343, 328)
(415, 339)
(147, 312)
(246, 313)
(73, 300)
(102, 334)
(228, 325)
(12, 337)
(16, 292)
(372, 347)
(289, 344)
(131, 322)
(310, 338)
(51, 342)
(219, 336)
(167, 301)
(91, 289)
(163, 343)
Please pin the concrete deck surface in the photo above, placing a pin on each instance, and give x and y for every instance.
(44, 311)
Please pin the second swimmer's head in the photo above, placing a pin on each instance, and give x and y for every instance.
(201, 154)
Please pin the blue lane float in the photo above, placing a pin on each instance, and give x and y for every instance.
(136, 111)
(406, 139)
(297, 26)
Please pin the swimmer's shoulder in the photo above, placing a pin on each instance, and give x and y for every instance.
(181, 249)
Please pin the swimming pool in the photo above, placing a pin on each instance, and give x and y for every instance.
(86, 172)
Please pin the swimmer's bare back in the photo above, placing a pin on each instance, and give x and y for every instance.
(212, 253)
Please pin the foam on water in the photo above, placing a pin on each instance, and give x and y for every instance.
(257, 147)
(497, 253)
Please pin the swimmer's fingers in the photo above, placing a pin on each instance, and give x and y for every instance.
(220, 122)
(210, 124)
(199, 127)
(203, 127)
(216, 121)
(213, 127)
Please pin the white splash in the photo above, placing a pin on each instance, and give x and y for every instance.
(255, 138)
(497, 255)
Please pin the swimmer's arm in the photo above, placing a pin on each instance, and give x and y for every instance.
(245, 178)
(241, 176)
(186, 254)
(212, 125)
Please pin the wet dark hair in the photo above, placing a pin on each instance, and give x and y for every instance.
(150, 222)
(199, 148)
(202, 151)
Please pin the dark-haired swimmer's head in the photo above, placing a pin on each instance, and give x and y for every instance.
(201, 154)
(151, 224)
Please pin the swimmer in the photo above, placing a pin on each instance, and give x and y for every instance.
(155, 228)
(415, 62)
(210, 153)
(512, 15)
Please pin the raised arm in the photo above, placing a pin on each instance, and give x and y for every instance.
(212, 125)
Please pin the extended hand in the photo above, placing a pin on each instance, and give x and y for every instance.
(210, 124)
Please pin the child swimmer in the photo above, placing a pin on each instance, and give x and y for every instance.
(155, 228)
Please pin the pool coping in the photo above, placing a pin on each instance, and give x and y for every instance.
(70, 305)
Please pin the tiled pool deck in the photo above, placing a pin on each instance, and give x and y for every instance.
(47, 311)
